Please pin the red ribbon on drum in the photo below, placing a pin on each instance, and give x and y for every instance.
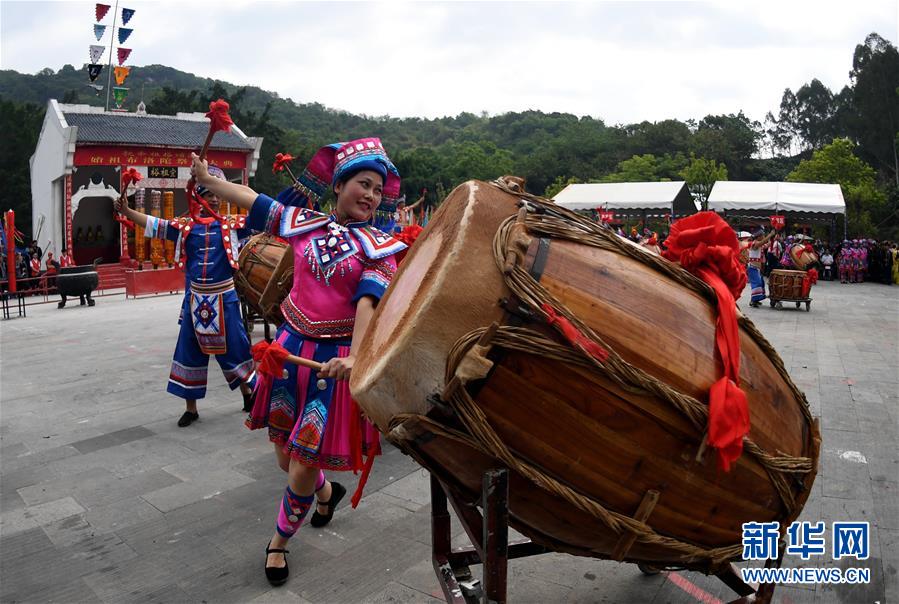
(574, 336)
(707, 246)
(810, 279)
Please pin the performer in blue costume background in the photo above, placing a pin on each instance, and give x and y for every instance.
(210, 314)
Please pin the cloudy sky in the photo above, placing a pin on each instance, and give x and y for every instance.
(618, 61)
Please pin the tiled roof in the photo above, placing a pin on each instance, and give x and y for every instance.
(121, 129)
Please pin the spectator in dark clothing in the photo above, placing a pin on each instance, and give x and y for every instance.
(22, 272)
(35, 251)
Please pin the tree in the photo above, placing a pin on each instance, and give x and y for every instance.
(785, 129)
(669, 137)
(815, 112)
(639, 168)
(701, 175)
(875, 74)
(730, 139)
(21, 125)
(170, 101)
(837, 164)
(558, 184)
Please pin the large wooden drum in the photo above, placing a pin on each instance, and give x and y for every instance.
(587, 443)
(802, 257)
(786, 285)
(265, 276)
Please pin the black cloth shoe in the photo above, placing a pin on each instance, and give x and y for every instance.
(187, 419)
(248, 400)
(337, 493)
(276, 575)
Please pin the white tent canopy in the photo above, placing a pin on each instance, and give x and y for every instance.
(777, 197)
(660, 196)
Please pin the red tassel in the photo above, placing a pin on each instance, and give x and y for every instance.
(728, 421)
(705, 245)
(218, 116)
(195, 202)
(130, 176)
(811, 278)
(366, 471)
(281, 161)
(269, 358)
(408, 236)
(128, 223)
(573, 334)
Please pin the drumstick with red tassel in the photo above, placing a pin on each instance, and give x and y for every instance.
(270, 359)
(128, 176)
(219, 120)
(281, 163)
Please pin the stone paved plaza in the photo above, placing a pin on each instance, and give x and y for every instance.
(105, 499)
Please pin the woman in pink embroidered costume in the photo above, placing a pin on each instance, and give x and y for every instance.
(342, 268)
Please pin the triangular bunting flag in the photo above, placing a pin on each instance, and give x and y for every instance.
(119, 95)
(99, 30)
(101, 11)
(121, 73)
(93, 71)
(127, 13)
(124, 32)
(96, 53)
(124, 53)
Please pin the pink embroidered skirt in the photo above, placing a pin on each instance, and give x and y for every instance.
(323, 428)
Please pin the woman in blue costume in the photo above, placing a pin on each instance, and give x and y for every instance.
(754, 267)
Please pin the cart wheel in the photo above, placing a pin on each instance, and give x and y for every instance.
(808, 307)
(773, 302)
(798, 304)
(779, 305)
(646, 569)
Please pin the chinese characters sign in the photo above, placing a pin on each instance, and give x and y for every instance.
(150, 156)
(806, 539)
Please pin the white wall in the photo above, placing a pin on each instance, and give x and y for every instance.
(51, 160)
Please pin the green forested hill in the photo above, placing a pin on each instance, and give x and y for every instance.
(549, 149)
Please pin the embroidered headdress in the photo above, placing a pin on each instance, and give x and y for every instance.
(213, 171)
(336, 161)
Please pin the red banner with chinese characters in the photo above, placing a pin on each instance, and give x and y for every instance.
(69, 240)
(606, 216)
(149, 156)
(778, 221)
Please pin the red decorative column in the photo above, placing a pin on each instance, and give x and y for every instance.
(67, 236)
(11, 249)
(124, 258)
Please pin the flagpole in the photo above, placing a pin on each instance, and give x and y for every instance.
(115, 15)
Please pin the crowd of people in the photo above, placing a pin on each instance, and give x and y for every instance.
(850, 261)
(860, 260)
(33, 270)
